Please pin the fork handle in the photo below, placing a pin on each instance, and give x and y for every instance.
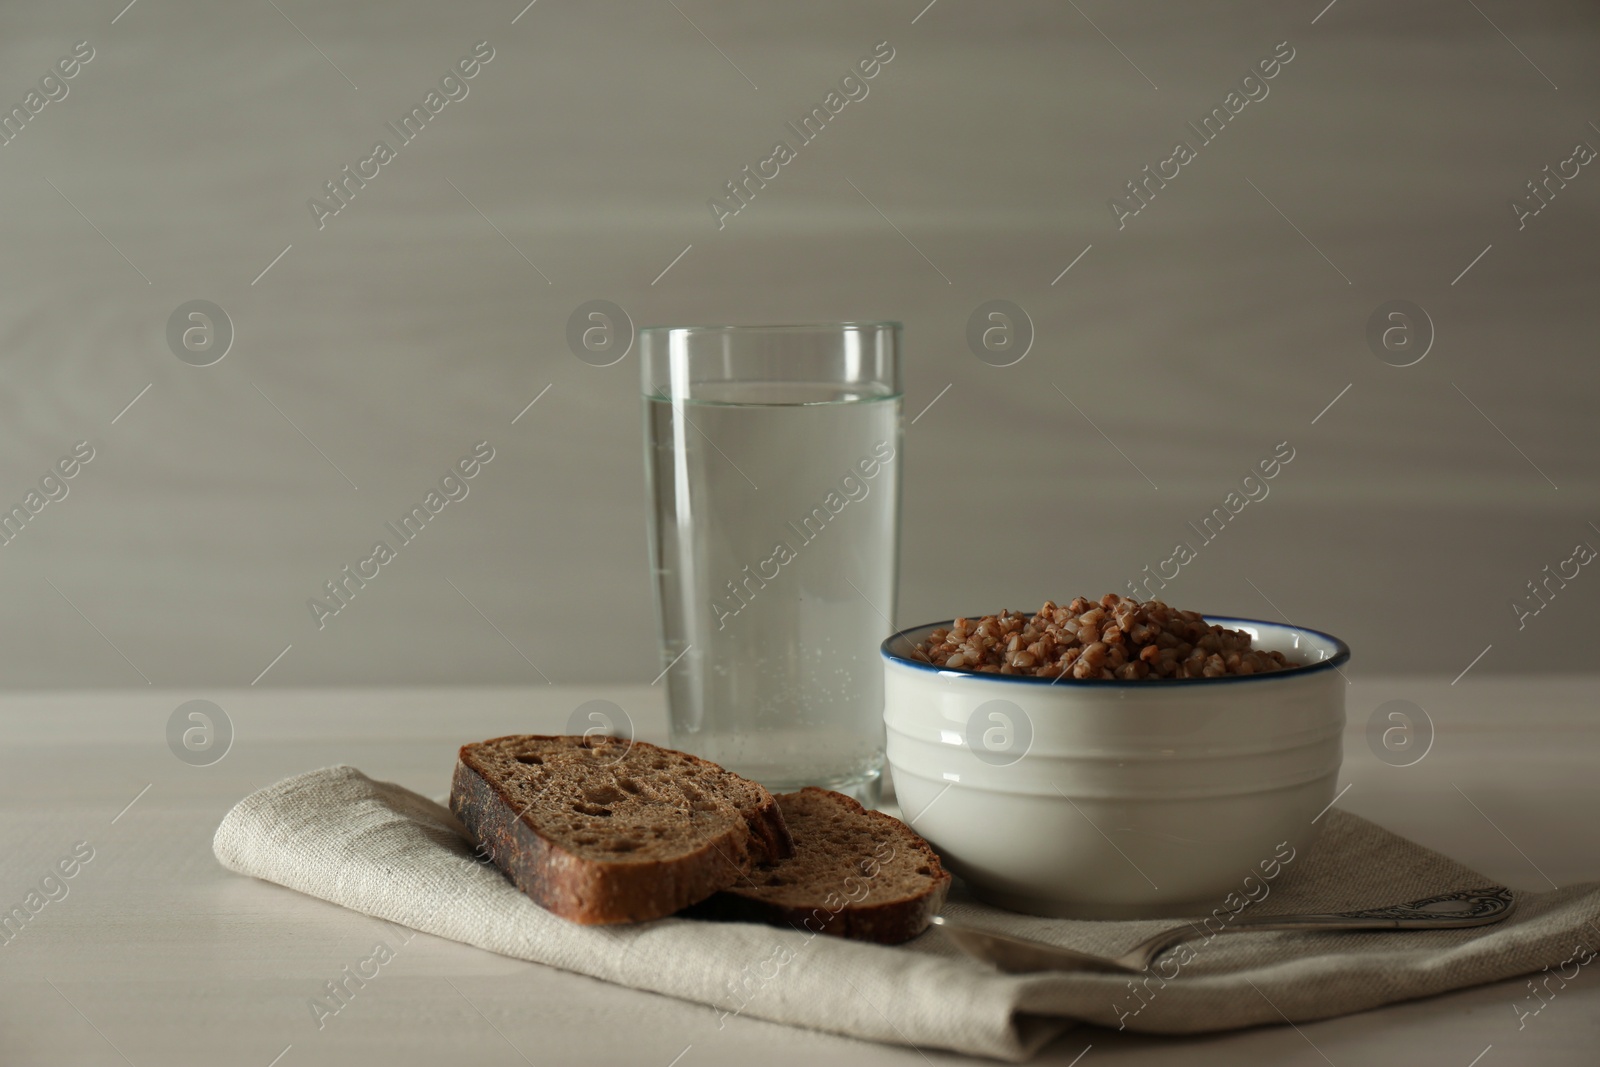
(1467, 907)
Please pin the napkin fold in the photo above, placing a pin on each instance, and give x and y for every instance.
(382, 850)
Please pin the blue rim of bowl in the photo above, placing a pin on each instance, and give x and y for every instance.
(1340, 656)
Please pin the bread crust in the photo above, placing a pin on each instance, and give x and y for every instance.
(594, 891)
(887, 922)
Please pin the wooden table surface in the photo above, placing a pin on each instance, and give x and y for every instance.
(156, 955)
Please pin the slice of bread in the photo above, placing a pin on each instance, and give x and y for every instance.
(602, 830)
(855, 873)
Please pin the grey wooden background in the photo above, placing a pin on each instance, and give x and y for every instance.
(1223, 319)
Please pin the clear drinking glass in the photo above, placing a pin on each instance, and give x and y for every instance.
(774, 470)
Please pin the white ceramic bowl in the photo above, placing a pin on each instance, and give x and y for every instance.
(1115, 799)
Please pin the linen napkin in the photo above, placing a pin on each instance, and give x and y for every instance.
(383, 850)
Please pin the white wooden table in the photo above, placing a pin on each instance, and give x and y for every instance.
(158, 956)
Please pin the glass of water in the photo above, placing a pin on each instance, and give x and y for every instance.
(773, 459)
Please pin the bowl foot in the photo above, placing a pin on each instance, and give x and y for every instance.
(1094, 910)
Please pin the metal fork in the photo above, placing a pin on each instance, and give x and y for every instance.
(1017, 955)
